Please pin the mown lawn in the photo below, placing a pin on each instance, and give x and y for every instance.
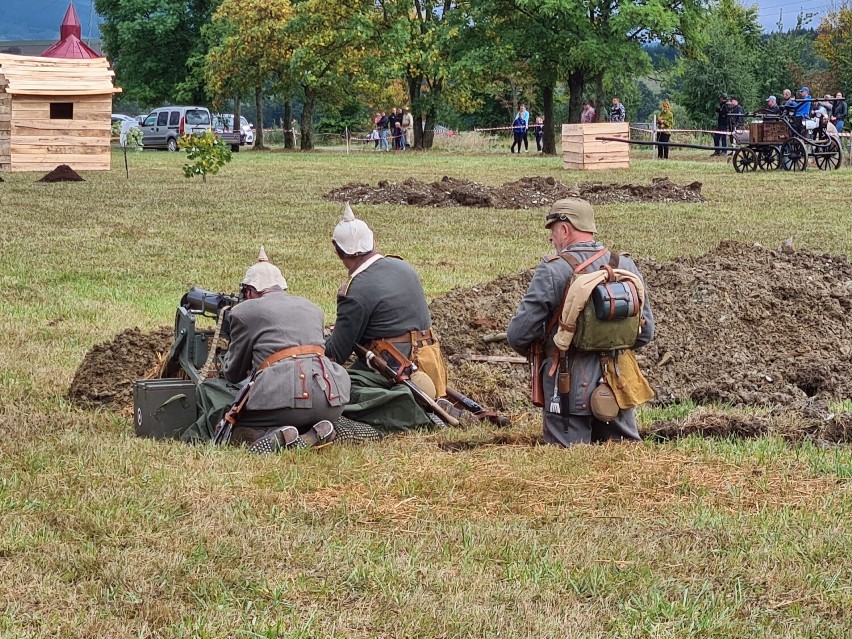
(106, 535)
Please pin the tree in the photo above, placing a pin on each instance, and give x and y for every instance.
(251, 47)
(333, 40)
(155, 46)
(208, 152)
(727, 62)
(834, 42)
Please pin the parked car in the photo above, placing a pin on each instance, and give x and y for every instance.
(223, 122)
(162, 127)
(141, 118)
(126, 121)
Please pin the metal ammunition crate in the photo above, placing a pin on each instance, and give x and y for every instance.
(163, 408)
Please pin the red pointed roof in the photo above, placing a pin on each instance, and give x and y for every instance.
(70, 45)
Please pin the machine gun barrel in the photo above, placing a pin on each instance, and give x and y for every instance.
(206, 302)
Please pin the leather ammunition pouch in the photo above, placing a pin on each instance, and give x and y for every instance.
(425, 354)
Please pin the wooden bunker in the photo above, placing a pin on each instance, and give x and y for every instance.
(55, 111)
(582, 152)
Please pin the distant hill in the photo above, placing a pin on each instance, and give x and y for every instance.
(40, 19)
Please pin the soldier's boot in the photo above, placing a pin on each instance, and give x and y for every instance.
(351, 432)
(320, 434)
(278, 439)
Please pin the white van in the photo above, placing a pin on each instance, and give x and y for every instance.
(163, 126)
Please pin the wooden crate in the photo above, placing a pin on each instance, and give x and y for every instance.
(581, 150)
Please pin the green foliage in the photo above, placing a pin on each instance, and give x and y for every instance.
(208, 152)
(152, 44)
(834, 43)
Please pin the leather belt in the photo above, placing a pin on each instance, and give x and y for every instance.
(415, 338)
(292, 351)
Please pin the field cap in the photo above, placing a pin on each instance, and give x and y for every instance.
(578, 212)
(263, 275)
(772, 98)
(803, 89)
(353, 236)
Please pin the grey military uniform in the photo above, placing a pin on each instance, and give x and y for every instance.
(542, 299)
(297, 391)
(385, 300)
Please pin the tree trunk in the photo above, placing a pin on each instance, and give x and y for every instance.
(600, 99)
(429, 120)
(237, 115)
(549, 142)
(576, 84)
(431, 115)
(414, 92)
(258, 126)
(287, 125)
(308, 120)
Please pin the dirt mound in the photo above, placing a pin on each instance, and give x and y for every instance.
(62, 173)
(528, 192)
(804, 420)
(107, 373)
(742, 325)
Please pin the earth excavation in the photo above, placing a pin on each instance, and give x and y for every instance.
(742, 325)
(526, 193)
(62, 173)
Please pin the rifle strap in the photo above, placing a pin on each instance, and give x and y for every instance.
(577, 267)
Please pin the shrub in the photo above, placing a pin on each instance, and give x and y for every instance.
(208, 152)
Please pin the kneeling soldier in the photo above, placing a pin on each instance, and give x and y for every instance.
(383, 308)
(277, 340)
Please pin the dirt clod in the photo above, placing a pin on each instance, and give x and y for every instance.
(528, 192)
(108, 371)
(62, 173)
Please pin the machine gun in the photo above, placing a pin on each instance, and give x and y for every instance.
(192, 347)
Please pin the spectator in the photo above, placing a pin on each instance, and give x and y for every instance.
(665, 122)
(525, 115)
(839, 112)
(618, 113)
(771, 107)
(588, 115)
(394, 119)
(803, 107)
(539, 133)
(398, 137)
(374, 135)
(736, 119)
(519, 130)
(720, 140)
(408, 127)
(383, 132)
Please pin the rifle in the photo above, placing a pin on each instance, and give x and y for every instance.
(383, 368)
(478, 410)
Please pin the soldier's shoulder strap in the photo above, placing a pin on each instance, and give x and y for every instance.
(551, 257)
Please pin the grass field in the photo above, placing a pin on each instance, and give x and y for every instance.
(106, 535)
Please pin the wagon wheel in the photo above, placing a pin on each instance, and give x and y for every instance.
(794, 155)
(744, 160)
(769, 158)
(828, 158)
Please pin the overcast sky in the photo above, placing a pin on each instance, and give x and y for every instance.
(42, 15)
(788, 11)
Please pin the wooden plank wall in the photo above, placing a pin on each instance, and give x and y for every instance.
(41, 144)
(582, 152)
(5, 128)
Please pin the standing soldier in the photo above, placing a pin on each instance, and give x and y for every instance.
(575, 413)
(382, 306)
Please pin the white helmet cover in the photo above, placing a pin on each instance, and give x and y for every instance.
(353, 236)
(263, 275)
